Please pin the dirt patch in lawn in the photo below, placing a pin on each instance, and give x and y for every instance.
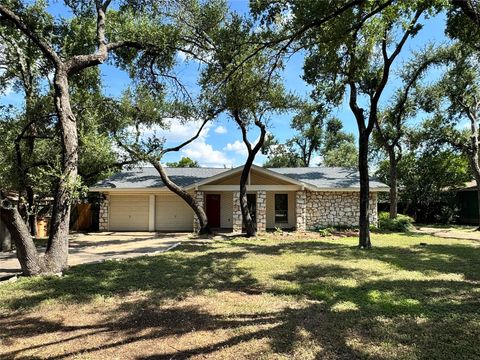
(273, 297)
(225, 325)
(453, 232)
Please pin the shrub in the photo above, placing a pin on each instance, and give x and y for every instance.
(402, 223)
(324, 231)
(447, 215)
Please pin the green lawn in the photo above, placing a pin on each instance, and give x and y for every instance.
(273, 297)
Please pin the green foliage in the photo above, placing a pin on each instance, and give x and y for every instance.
(184, 162)
(248, 90)
(336, 147)
(326, 232)
(345, 155)
(402, 223)
(447, 214)
(424, 178)
(462, 28)
(335, 136)
(453, 101)
(308, 124)
(279, 155)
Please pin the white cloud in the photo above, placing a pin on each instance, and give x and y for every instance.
(237, 147)
(203, 152)
(182, 55)
(206, 155)
(175, 131)
(200, 150)
(221, 129)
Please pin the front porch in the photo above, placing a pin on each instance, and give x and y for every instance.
(271, 209)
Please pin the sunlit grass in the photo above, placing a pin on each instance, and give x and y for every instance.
(411, 296)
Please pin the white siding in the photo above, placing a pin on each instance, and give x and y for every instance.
(128, 213)
(226, 210)
(172, 214)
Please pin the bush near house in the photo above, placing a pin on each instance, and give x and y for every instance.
(402, 223)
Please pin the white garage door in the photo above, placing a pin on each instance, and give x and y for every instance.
(172, 214)
(128, 213)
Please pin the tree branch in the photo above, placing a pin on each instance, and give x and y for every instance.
(388, 60)
(177, 148)
(468, 8)
(22, 26)
(241, 125)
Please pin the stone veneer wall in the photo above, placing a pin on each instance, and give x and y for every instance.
(103, 214)
(261, 211)
(335, 208)
(237, 218)
(301, 210)
(200, 198)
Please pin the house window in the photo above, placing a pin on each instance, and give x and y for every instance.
(281, 208)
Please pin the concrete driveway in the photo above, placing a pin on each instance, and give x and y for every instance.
(97, 247)
(452, 232)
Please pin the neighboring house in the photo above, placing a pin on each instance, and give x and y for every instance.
(466, 202)
(289, 198)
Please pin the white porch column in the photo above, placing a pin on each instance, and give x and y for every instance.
(301, 210)
(237, 219)
(151, 213)
(261, 211)
(200, 198)
(103, 224)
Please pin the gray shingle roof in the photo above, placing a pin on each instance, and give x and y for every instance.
(328, 177)
(147, 177)
(320, 177)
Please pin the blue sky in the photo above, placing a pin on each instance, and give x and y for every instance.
(220, 145)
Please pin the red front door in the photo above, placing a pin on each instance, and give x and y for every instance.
(212, 208)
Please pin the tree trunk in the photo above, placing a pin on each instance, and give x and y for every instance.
(250, 226)
(474, 158)
(27, 255)
(5, 237)
(364, 221)
(56, 255)
(189, 199)
(393, 196)
(478, 202)
(32, 216)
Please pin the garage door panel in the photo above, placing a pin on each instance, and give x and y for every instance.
(172, 214)
(128, 213)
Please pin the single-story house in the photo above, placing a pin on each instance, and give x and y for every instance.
(289, 198)
(466, 201)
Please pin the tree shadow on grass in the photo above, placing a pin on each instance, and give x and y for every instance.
(415, 318)
(170, 275)
(301, 247)
(441, 258)
(332, 334)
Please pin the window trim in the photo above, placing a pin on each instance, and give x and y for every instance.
(284, 219)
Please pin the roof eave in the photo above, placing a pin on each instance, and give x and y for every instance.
(257, 168)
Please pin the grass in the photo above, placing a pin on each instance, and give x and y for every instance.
(275, 297)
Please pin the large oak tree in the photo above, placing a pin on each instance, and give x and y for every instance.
(68, 59)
